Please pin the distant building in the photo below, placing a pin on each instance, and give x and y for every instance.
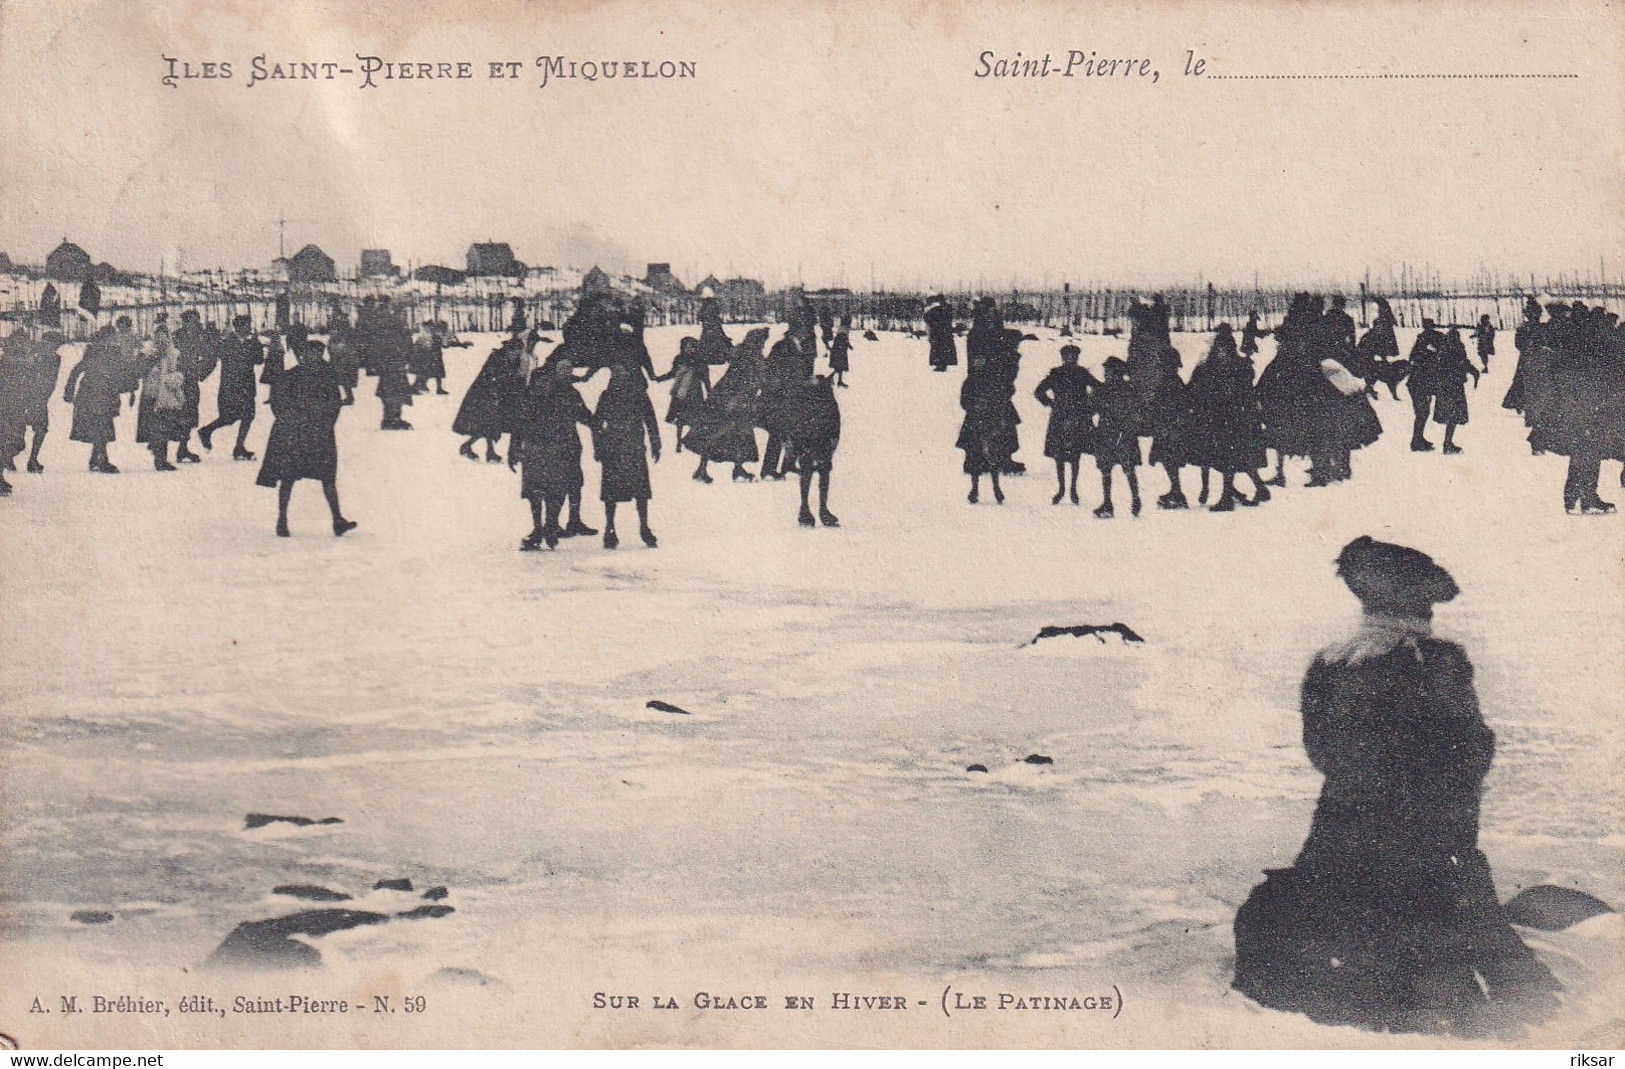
(376, 263)
(741, 298)
(440, 276)
(660, 279)
(5, 262)
(493, 258)
(106, 274)
(311, 264)
(68, 263)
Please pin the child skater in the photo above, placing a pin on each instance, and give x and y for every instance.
(544, 435)
(1065, 391)
(840, 352)
(1117, 443)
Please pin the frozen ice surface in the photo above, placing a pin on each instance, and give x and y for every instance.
(477, 716)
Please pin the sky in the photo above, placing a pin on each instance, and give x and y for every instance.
(836, 143)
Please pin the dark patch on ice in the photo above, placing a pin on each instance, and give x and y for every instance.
(425, 912)
(310, 892)
(458, 975)
(870, 335)
(435, 894)
(398, 883)
(267, 944)
(260, 820)
(1099, 631)
(1029, 337)
(665, 707)
(1037, 759)
(1552, 909)
(1112, 332)
(91, 916)
(975, 768)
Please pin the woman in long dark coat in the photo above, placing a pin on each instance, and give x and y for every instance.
(1117, 435)
(95, 387)
(1066, 392)
(624, 428)
(306, 400)
(1389, 919)
(690, 378)
(489, 405)
(939, 328)
(1170, 413)
(814, 423)
(545, 438)
(1228, 429)
(31, 366)
(1450, 387)
(238, 354)
(987, 433)
(194, 361)
(724, 428)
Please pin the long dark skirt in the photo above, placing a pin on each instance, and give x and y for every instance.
(1394, 952)
(297, 449)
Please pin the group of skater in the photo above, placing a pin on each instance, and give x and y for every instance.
(1306, 403)
(1569, 386)
(1312, 400)
(1225, 416)
(534, 400)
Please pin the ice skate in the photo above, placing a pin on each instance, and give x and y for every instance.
(611, 540)
(467, 450)
(1173, 500)
(342, 526)
(1451, 449)
(827, 518)
(1105, 512)
(649, 538)
(35, 467)
(206, 436)
(282, 529)
(576, 527)
(242, 454)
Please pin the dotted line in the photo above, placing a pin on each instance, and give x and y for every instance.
(1387, 77)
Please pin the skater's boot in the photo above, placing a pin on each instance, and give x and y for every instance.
(1591, 504)
(186, 456)
(206, 436)
(5, 491)
(1074, 495)
(1226, 502)
(974, 496)
(740, 475)
(648, 537)
(342, 526)
(1421, 445)
(806, 517)
(611, 539)
(702, 477)
(1134, 507)
(576, 527)
(1173, 499)
(467, 450)
(491, 455)
(1056, 500)
(827, 518)
(241, 454)
(532, 542)
(34, 466)
(1261, 495)
(1105, 511)
(282, 529)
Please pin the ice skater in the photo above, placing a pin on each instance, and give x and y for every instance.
(1066, 391)
(95, 389)
(814, 421)
(724, 427)
(492, 398)
(1450, 388)
(1228, 431)
(1426, 354)
(840, 352)
(624, 428)
(1117, 441)
(29, 369)
(544, 438)
(238, 354)
(306, 400)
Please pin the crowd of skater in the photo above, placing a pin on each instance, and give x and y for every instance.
(1313, 400)
(1225, 416)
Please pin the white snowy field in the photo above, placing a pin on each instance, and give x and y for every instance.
(476, 719)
